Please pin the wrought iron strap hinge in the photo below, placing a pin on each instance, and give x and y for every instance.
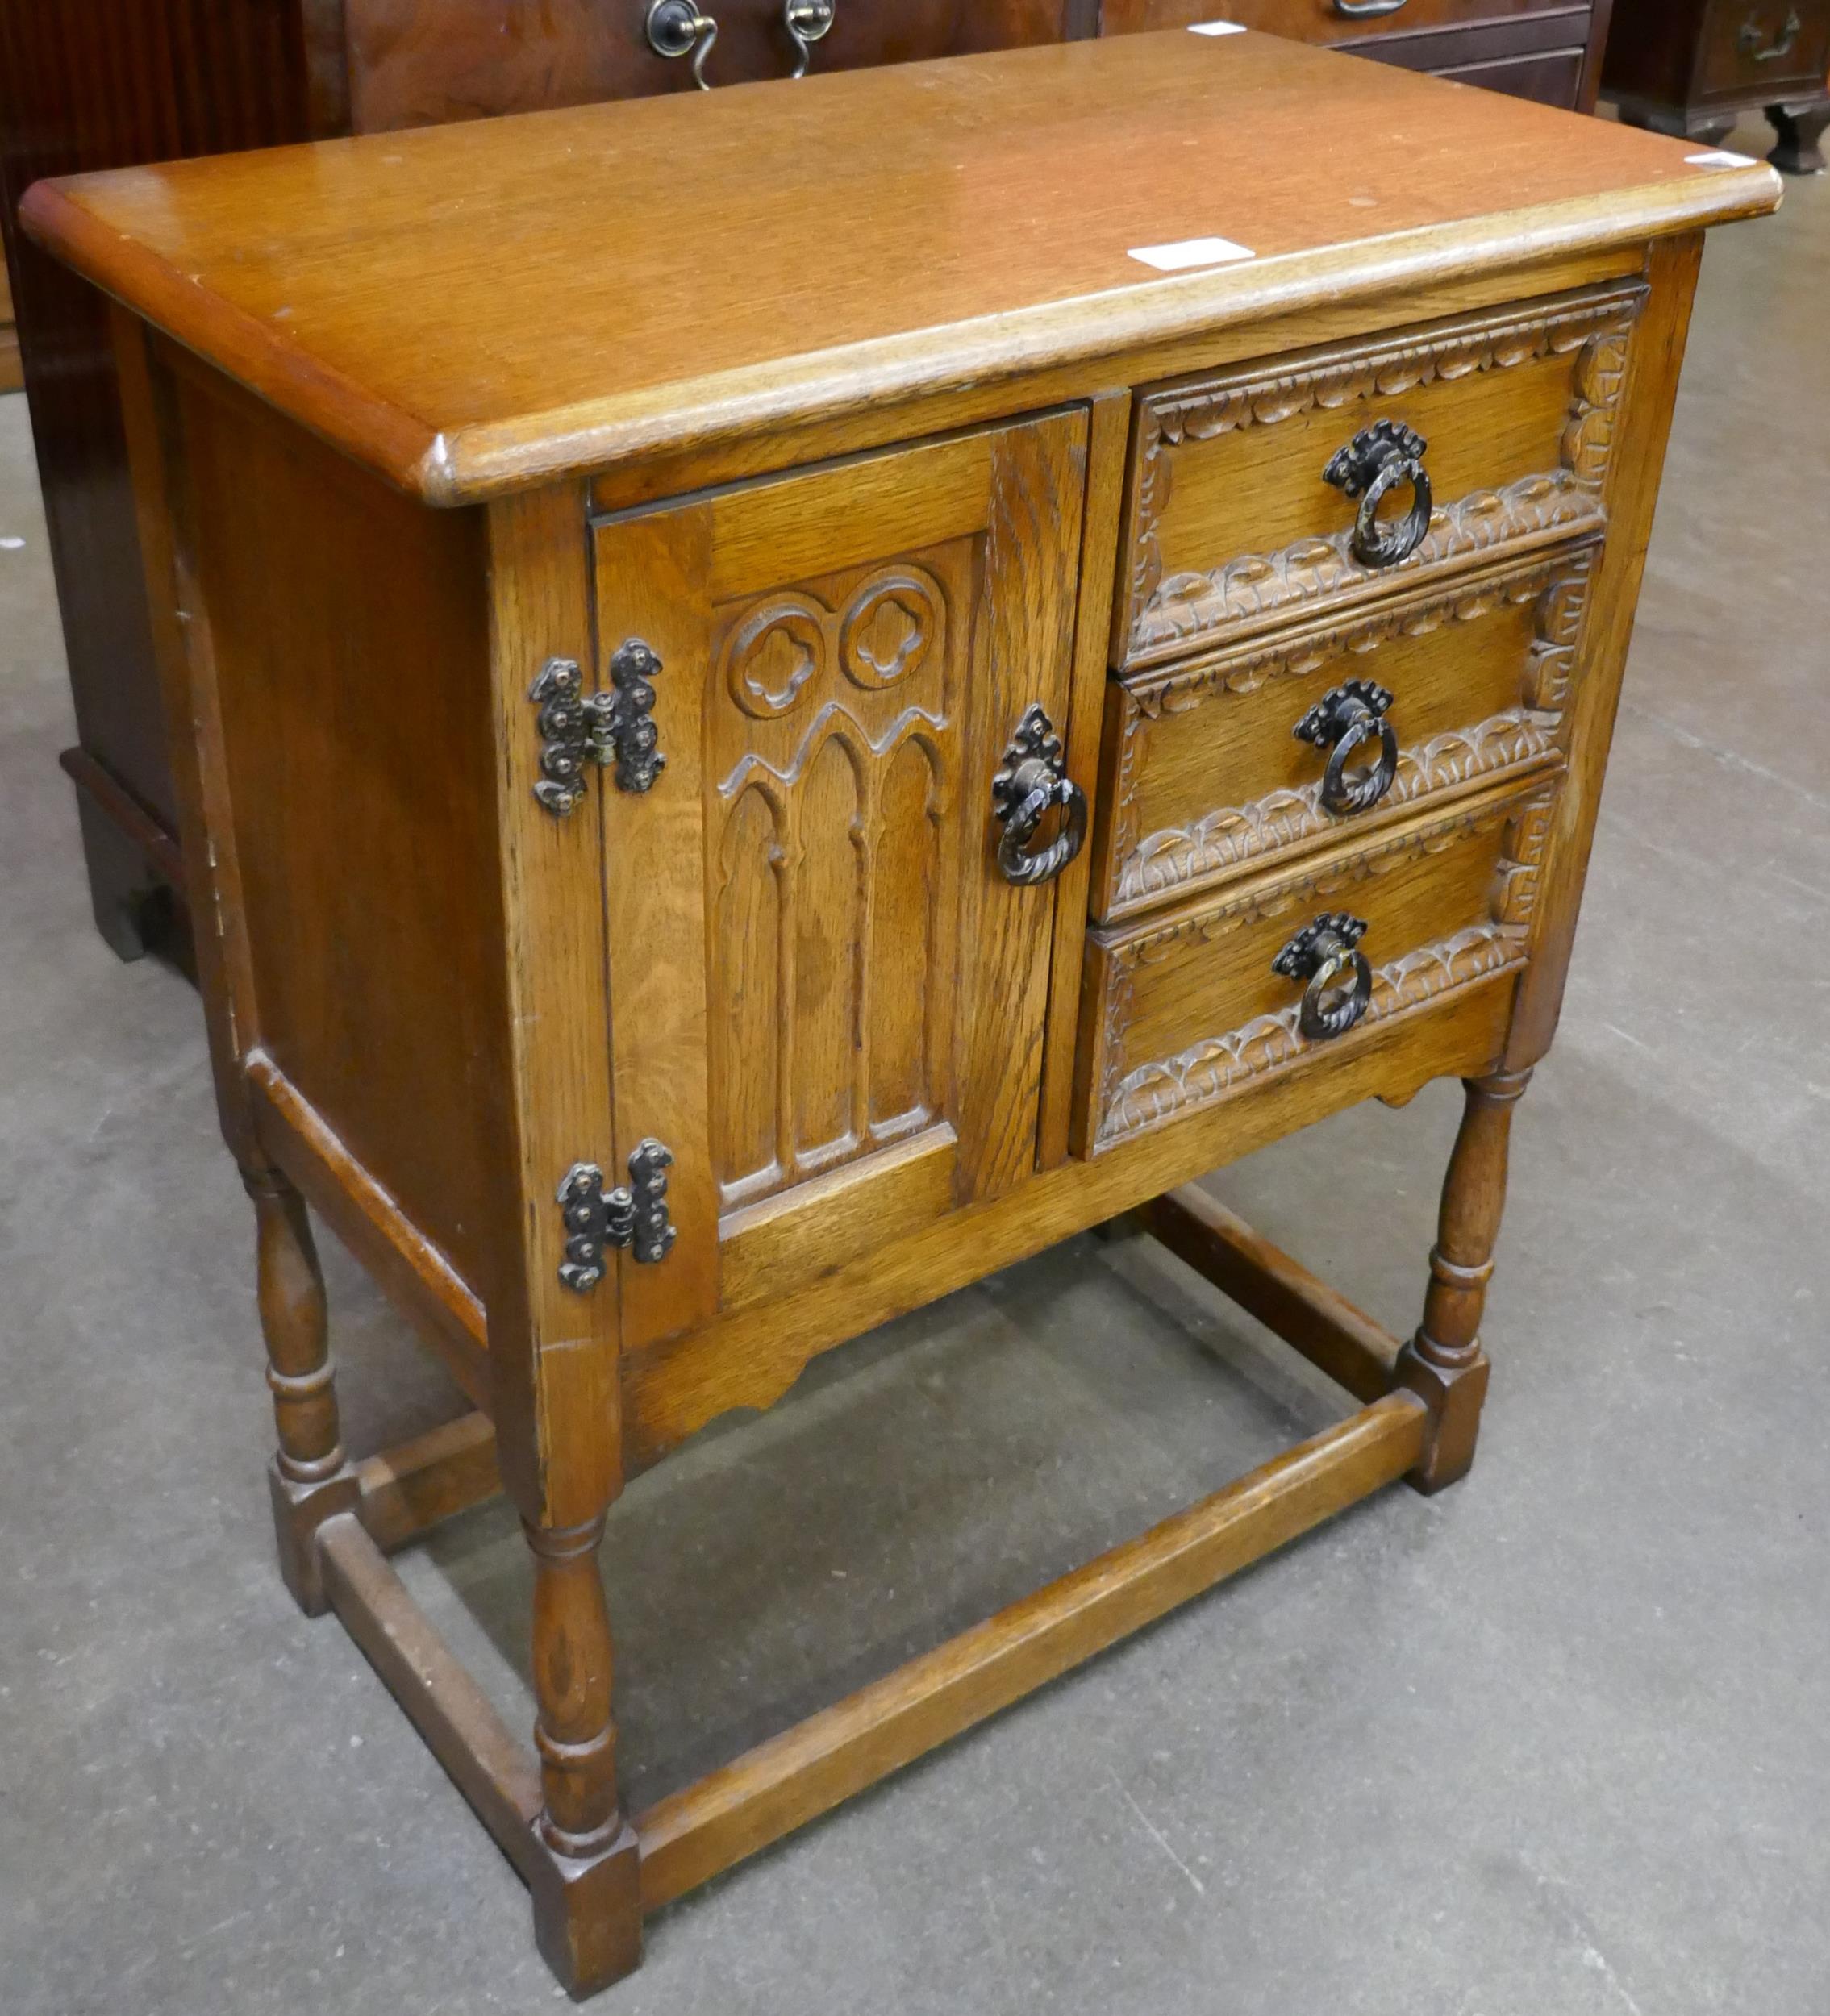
(580, 729)
(633, 1216)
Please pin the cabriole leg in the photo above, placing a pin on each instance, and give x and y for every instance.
(587, 1892)
(311, 1477)
(1444, 1363)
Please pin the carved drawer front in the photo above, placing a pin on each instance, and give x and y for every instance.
(829, 961)
(1330, 730)
(1310, 483)
(1185, 1009)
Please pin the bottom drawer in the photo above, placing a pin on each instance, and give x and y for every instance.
(1283, 970)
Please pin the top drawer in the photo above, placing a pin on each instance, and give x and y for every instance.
(1231, 522)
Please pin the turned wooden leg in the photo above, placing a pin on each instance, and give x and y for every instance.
(1444, 1363)
(1799, 128)
(587, 1892)
(311, 1477)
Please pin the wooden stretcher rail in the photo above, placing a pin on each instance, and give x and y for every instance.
(495, 1772)
(693, 1834)
(781, 1784)
(1285, 1296)
(407, 1489)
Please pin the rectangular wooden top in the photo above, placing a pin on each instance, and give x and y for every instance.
(472, 308)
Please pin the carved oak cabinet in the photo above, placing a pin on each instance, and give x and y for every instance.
(759, 765)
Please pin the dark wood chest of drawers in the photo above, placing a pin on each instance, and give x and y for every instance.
(1695, 66)
(711, 845)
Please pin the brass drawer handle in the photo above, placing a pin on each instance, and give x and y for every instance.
(677, 28)
(807, 22)
(1782, 45)
(1349, 718)
(1031, 782)
(1325, 953)
(1366, 10)
(1375, 462)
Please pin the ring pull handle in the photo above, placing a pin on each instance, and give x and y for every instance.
(1326, 955)
(1782, 45)
(807, 22)
(1366, 10)
(677, 28)
(1378, 460)
(1031, 783)
(1343, 722)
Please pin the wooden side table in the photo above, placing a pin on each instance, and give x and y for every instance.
(713, 843)
(1694, 67)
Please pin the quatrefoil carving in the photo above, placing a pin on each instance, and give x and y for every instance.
(890, 630)
(773, 652)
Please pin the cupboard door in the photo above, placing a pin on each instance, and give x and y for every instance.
(826, 999)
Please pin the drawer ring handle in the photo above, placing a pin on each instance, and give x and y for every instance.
(1366, 10)
(1030, 783)
(1782, 45)
(1344, 721)
(1378, 461)
(1326, 955)
(677, 28)
(807, 22)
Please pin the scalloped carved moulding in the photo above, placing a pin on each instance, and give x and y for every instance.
(1166, 613)
(1158, 1090)
(1157, 864)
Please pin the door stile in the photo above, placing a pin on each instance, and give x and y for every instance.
(1022, 655)
(553, 1352)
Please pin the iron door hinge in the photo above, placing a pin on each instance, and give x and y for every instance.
(633, 1216)
(580, 729)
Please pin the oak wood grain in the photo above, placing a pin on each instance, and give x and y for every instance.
(463, 348)
(553, 1352)
(179, 613)
(1108, 432)
(415, 1275)
(1232, 523)
(1184, 1006)
(826, 1000)
(1204, 776)
(750, 1357)
(1632, 495)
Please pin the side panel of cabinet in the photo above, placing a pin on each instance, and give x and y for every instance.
(825, 998)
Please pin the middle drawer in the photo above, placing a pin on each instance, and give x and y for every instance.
(1280, 746)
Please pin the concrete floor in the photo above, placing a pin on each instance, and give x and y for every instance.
(1554, 1744)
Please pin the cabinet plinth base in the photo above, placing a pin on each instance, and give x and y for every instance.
(588, 1915)
(299, 1510)
(1454, 1396)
